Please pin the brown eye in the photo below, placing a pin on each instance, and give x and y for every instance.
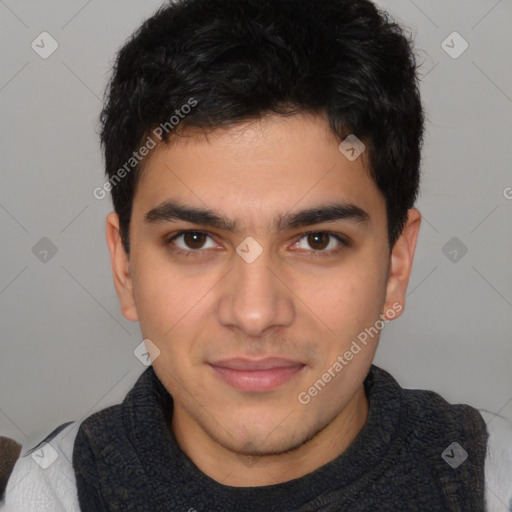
(318, 241)
(194, 239)
(190, 243)
(322, 243)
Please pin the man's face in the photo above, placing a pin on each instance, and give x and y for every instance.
(219, 306)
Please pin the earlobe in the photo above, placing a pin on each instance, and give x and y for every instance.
(120, 263)
(400, 266)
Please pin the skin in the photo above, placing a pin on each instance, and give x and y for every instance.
(288, 303)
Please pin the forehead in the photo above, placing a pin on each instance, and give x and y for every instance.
(256, 170)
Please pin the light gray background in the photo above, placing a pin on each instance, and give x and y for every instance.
(66, 351)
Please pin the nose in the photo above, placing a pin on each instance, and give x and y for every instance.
(255, 297)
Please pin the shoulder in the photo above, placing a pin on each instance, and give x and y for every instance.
(43, 479)
(471, 423)
(426, 403)
(498, 463)
(433, 424)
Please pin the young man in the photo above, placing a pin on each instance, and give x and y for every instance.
(263, 158)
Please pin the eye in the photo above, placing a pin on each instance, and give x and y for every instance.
(190, 242)
(323, 243)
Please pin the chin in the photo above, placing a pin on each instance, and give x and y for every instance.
(265, 439)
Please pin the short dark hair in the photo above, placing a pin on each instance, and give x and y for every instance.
(242, 59)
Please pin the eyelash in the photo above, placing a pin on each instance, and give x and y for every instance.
(317, 253)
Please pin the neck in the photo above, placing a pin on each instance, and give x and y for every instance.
(233, 469)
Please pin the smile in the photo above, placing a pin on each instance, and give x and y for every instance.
(256, 376)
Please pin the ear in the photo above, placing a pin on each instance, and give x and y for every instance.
(400, 265)
(120, 268)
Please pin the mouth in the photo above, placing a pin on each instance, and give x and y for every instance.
(256, 375)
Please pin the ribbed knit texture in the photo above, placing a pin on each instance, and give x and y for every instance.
(126, 459)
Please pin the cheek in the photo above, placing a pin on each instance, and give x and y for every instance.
(161, 297)
(165, 304)
(173, 305)
(346, 299)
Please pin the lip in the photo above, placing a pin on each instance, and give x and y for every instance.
(256, 375)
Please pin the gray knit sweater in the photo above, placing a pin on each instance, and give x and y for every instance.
(126, 459)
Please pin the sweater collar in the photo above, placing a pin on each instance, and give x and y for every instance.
(148, 406)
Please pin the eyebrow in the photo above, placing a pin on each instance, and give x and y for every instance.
(170, 211)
